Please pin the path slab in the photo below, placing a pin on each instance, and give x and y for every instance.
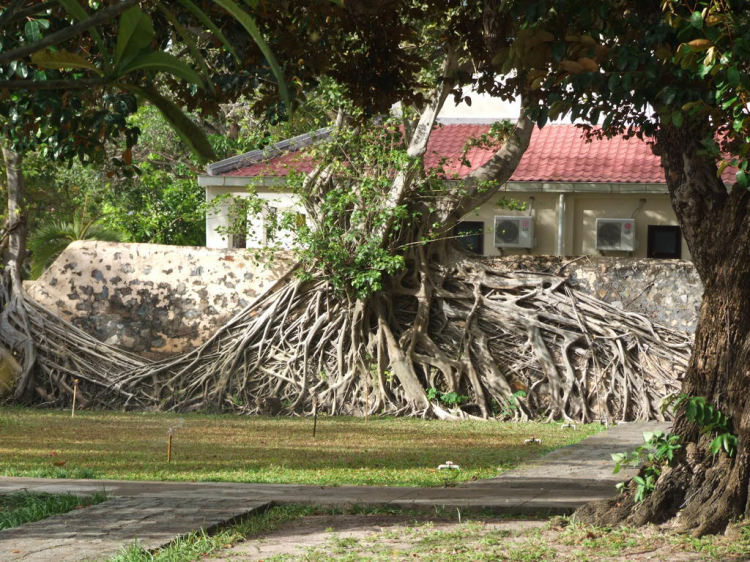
(103, 530)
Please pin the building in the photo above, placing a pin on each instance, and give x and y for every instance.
(600, 197)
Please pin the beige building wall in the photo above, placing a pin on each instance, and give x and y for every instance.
(580, 213)
(541, 206)
(584, 209)
(582, 205)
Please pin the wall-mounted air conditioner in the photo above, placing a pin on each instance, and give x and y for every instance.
(514, 232)
(617, 235)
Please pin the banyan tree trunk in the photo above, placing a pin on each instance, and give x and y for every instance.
(704, 491)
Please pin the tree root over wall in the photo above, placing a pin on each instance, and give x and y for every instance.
(467, 329)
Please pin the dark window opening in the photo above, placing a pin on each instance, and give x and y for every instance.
(470, 236)
(664, 242)
(238, 223)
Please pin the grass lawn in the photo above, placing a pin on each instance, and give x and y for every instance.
(25, 507)
(383, 451)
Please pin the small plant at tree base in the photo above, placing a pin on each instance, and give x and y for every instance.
(448, 398)
(511, 407)
(658, 449)
(709, 419)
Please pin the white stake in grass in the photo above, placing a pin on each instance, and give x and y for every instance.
(75, 395)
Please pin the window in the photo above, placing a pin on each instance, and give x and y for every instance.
(470, 236)
(238, 223)
(664, 242)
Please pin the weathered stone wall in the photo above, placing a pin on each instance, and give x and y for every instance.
(666, 291)
(158, 300)
(149, 298)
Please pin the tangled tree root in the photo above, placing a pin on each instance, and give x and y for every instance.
(521, 344)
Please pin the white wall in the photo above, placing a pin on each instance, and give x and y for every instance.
(218, 217)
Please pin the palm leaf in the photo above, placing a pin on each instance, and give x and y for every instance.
(249, 24)
(192, 135)
(187, 37)
(201, 16)
(52, 237)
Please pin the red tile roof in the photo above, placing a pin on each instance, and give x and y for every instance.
(557, 153)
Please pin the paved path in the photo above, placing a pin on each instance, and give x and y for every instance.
(156, 512)
(103, 530)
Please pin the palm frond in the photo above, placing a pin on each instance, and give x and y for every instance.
(52, 237)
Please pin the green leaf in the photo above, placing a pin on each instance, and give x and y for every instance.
(159, 61)
(249, 24)
(201, 16)
(61, 59)
(733, 75)
(613, 81)
(715, 445)
(731, 101)
(135, 34)
(32, 31)
(192, 135)
(669, 95)
(79, 13)
(696, 20)
(691, 410)
(741, 178)
(677, 119)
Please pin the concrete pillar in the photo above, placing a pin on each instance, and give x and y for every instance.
(560, 250)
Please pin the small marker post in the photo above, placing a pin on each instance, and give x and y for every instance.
(315, 414)
(75, 396)
(169, 445)
(367, 399)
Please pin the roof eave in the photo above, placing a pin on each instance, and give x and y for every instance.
(511, 186)
(254, 156)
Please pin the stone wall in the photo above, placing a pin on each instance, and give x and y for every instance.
(151, 299)
(158, 300)
(666, 291)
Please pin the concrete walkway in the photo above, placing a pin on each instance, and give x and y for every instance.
(157, 512)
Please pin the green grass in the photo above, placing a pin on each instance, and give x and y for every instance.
(198, 545)
(26, 507)
(383, 451)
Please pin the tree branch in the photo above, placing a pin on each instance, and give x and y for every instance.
(498, 169)
(420, 137)
(69, 32)
(36, 85)
(9, 12)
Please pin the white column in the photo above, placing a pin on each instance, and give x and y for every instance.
(217, 217)
(560, 225)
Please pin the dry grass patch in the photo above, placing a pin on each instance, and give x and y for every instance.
(383, 451)
(398, 538)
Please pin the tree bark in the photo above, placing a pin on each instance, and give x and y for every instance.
(705, 492)
(16, 220)
(13, 318)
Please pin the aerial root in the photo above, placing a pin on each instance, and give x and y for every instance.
(468, 342)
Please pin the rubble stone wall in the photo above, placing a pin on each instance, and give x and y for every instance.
(668, 292)
(159, 300)
(152, 299)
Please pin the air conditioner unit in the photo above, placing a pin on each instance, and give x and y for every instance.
(617, 235)
(514, 232)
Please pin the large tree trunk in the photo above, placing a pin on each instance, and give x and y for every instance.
(705, 492)
(13, 318)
